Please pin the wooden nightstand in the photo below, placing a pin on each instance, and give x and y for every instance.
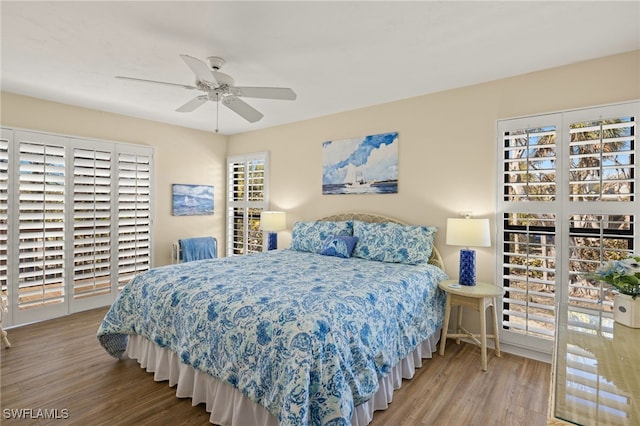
(479, 297)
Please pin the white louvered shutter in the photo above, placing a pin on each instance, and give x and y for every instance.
(4, 214)
(134, 215)
(601, 166)
(236, 214)
(247, 197)
(41, 221)
(529, 274)
(529, 224)
(75, 222)
(568, 203)
(602, 192)
(92, 198)
(529, 157)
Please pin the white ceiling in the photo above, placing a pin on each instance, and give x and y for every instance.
(335, 55)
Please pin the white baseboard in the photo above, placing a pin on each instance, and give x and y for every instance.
(515, 350)
(525, 352)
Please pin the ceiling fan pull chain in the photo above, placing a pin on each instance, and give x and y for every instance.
(217, 112)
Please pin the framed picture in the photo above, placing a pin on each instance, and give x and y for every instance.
(365, 165)
(192, 200)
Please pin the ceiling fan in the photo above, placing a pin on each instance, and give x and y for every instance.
(219, 87)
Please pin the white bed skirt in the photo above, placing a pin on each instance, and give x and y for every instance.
(229, 406)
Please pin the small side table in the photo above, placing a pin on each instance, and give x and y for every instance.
(479, 297)
(3, 333)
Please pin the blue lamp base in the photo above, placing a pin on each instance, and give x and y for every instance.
(467, 267)
(273, 241)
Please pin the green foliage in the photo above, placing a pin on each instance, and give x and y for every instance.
(623, 275)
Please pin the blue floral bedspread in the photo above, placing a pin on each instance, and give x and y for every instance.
(307, 336)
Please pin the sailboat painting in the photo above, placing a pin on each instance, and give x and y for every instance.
(365, 165)
(192, 200)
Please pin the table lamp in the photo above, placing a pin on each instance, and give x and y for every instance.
(468, 232)
(272, 222)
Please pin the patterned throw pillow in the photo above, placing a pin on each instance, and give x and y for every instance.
(393, 242)
(339, 246)
(310, 236)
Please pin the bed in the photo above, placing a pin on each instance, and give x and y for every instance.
(320, 333)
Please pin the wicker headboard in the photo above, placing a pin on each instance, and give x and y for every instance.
(435, 258)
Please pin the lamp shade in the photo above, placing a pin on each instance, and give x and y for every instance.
(468, 232)
(273, 221)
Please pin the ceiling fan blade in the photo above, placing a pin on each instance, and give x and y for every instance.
(200, 69)
(193, 104)
(281, 93)
(184, 86)
(242, 108)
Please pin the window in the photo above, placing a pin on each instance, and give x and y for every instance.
(568, 203)
(67, 221)
(247, 197)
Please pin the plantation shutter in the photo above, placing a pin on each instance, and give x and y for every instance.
(568, 203)
(530, 164)
(601, 166)
(527, 229)
(41, 221)
(74, 214)
(236, 210)
(602, 193)
(4, 215)
(92, 198)
(529, 274)
(247, 197)
(134, 214)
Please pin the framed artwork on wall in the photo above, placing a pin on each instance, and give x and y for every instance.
(364, 165)
(192, 200)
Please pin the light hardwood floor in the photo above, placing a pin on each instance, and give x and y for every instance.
(59, 365)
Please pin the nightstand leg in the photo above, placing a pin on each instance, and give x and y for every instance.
(445, 324)
(483, 334)
(5, 340)
(496, 330)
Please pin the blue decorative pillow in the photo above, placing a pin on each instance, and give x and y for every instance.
(310, 236)
(339, 246)
(393, 242)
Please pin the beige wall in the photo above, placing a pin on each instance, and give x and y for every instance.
(447, 146)
(181, 156)
(447, 149)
